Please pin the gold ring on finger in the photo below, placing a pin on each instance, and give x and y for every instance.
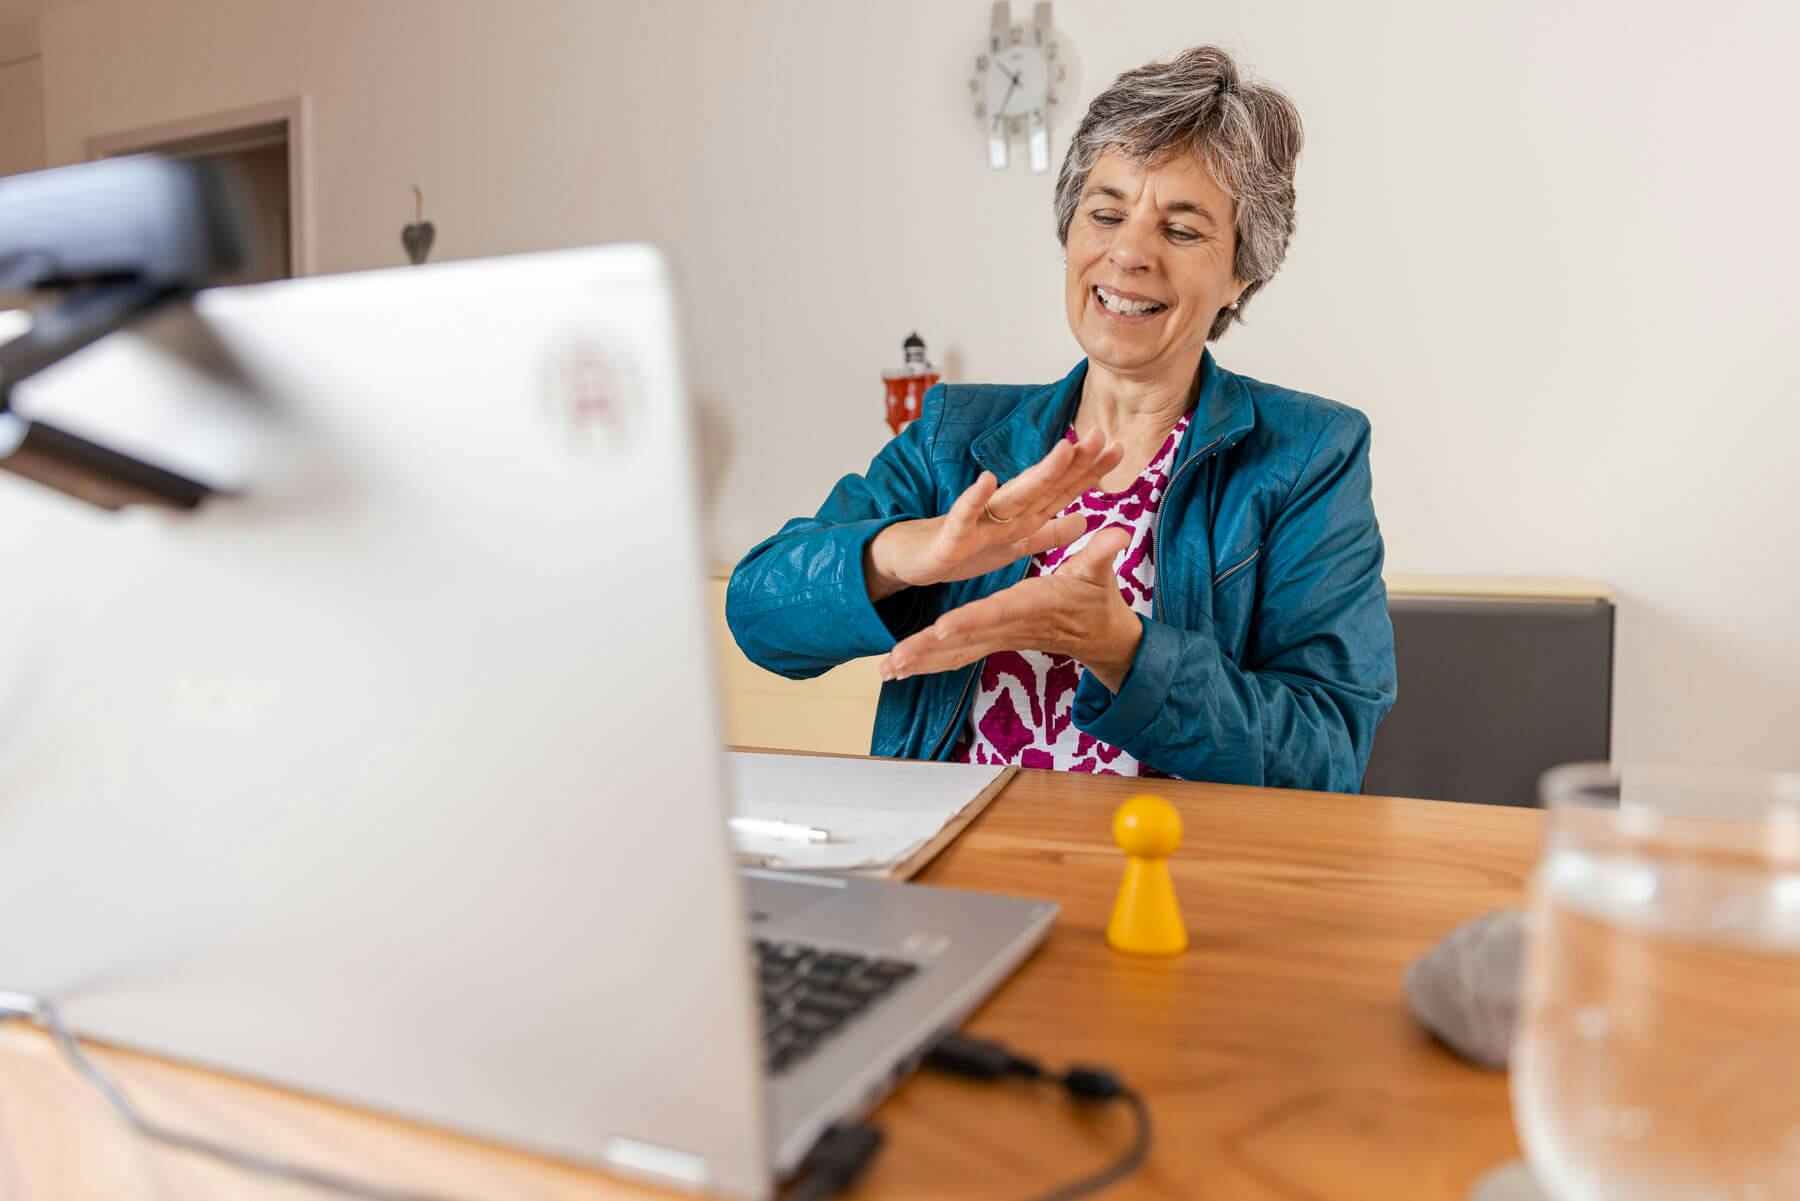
(990, 516)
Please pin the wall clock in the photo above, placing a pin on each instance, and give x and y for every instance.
(1015, 85)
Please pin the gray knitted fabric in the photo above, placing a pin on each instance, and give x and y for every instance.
(1465, 990)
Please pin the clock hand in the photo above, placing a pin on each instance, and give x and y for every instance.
(1009, 74)
(1001, 114)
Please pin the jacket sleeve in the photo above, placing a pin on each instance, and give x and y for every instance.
(1318, 671)
(798, 603)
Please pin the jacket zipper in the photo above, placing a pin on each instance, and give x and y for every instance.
(1156, 606)
(956, 713)
(1233, 570)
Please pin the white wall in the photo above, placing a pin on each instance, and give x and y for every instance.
(1547, 247)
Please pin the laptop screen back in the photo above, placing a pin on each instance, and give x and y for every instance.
(394, 774)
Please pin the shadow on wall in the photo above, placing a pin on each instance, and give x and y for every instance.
(714, 443)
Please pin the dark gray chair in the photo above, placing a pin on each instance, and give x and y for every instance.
(1493, 690)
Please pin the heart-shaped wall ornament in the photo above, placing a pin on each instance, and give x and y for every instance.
(418, 236)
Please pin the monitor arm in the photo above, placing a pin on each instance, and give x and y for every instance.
(111, 241)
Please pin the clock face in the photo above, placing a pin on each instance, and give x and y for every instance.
(1015, 86)
(1017, 81)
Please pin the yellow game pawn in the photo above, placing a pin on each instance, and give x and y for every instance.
(1146, 919)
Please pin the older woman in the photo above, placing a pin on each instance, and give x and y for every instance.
(1155, 565)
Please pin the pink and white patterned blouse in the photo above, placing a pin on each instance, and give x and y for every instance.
(1022, 705)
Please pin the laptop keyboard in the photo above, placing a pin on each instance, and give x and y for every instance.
(809, 995)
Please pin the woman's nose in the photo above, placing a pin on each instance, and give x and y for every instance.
(1132, 248)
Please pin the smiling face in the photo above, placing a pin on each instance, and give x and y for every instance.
(1151, 249)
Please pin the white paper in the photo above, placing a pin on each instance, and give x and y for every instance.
(879, 811)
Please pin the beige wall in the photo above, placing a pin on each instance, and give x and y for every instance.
(1545, 246)
(21, 98)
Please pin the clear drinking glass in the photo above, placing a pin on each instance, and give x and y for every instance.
(1657, 1056)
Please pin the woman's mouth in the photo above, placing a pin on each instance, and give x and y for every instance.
(1119, 305)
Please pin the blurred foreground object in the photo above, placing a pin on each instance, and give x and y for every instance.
(106, 243)
(1657, 1042)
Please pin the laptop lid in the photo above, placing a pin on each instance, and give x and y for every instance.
(393, 776)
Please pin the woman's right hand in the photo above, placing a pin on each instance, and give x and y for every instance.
(991, 525)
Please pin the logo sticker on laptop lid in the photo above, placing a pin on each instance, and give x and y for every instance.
(593, 395)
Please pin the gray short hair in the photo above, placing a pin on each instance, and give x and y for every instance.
(1247, 134)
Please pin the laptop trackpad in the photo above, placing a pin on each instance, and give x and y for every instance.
(774, 898)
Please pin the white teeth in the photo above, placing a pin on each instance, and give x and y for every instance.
(1123, 307)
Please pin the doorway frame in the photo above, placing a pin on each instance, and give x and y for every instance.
(216, 130)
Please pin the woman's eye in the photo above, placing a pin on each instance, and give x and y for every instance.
(1180, 234)
(1103, 218)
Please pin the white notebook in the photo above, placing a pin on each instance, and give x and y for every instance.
(882, 814)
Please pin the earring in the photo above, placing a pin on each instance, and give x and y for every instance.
(1232, 306)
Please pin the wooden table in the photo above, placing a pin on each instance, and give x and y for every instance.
(1277, 1055)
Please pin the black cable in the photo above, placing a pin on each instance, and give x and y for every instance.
(1125, 1165)
(837, 1160)
(984, 1059)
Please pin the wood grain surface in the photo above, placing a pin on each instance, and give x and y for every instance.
(1276, 1055)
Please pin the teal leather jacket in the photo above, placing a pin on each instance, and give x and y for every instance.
(1268, 657)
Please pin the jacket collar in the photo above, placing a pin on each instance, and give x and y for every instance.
(1223, 414)
(1030, 431)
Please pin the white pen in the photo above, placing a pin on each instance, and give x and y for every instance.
(769, 827)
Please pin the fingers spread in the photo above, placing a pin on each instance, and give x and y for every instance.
(989, 616)
(922, 654)
(1105, 459)
(1046, 488)
(1025, 492)
(1085, 472)
(1080, 464)
(939, 658)
(965, 514)
(1004, 621)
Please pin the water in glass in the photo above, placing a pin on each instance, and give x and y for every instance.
(1658, 1051)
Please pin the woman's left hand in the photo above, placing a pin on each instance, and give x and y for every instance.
(1077, 611)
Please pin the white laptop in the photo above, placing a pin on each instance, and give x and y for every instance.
(393, 772)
